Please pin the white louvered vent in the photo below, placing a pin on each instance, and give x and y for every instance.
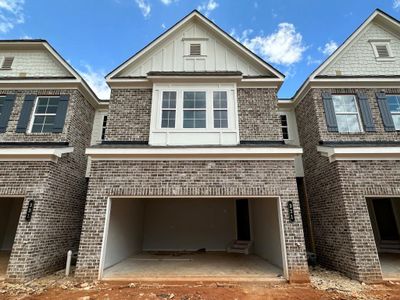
(195, 49)
(7, 63)
(382, 51)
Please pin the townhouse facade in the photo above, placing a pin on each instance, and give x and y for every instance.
(195, 169)
(348, 117)
(46, 115)
(194, 151)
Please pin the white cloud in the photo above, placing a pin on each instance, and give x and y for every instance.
(284, 46)
(11, 14)
(329, 47)
(144, 7)
(312, 61)
(168, 2)
(396, 4)
(208, 7)
(95, 79)
(163, 26)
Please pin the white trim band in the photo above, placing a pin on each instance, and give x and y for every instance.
(33, 154)
(360, 153)
(195, 153)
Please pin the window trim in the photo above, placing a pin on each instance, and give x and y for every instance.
(287, 125)
(214, 109)
(103, 128)
(4, 98)
(393, 113)
(386, 43)
(33, 114)
(360, 124)
(179, 110)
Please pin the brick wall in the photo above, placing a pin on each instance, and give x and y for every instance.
(58, 189)
(342, 230)
(189, 178)
(258, 115)
(129, 115)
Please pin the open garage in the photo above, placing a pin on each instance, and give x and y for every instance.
(10, 210)
(193, 238)
(385, 220)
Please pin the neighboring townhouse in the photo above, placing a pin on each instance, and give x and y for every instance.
(193, 179)
(348, 115)
(46, 116)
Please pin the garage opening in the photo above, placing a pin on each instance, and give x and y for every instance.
(385, 220)
(10, 210)
(192, 239)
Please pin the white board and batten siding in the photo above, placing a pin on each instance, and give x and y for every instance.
(173, 55)
(32, 63)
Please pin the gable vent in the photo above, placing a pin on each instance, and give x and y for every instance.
(195, 49)
(382, 51)
(7, 63)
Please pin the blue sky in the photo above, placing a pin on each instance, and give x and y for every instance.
(95, 36)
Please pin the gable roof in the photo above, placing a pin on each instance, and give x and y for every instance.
(195, 14)
(377, 16)
(45, 45)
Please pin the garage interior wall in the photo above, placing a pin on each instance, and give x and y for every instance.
(10, 210)
(189, 224)
(266, 230)
(125, 230)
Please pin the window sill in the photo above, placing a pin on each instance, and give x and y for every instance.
(388, 59)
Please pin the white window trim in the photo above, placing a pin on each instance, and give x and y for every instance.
(385, 43)
(34, 114)
(351, 113)
(194, 136)
(287, 126)
(394, 113)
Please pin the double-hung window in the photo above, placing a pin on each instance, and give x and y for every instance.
(220, 106)
(168, 114)
(2, 98)
(284, 127)
(194, 110)
(394, 108)
(44, 114)
(347, 114)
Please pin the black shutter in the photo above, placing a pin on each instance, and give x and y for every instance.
(385, 112)
(6, 111)
(330, 115)
(61, 114)
(366, 113)
(25, 113)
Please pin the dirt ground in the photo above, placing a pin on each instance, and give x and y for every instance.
(324, 285)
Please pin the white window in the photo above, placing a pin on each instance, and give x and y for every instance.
(2, 98)
(194, 114)
(44, 114)
(382, 50)
(220, 106)
(394, 108)
(103, 128)
(284, 127)
(347, 114)
(168, 110)
(194, 110)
